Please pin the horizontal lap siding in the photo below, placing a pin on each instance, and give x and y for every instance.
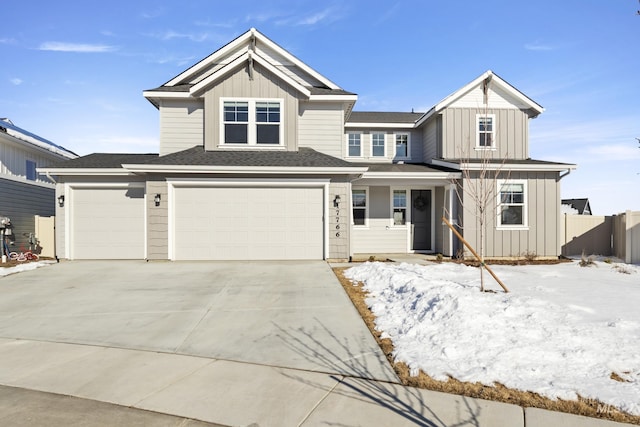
(181, 125)
(320, 126)
(379, 236)
(20, 202)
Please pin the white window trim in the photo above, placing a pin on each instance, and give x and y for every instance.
(525, 205)
(366, 208)
(384, 145)
(252, 125)
(395, 154)
(361, 155)
(493, 132)
(407, 214)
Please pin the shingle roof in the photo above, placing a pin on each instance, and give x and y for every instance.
(578, 204)
(406, 167)
(103, 161)
(532, 162)
(383, 117)
(328, 91)
(197, 156)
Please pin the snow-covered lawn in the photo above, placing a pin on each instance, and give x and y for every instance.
(561, 332)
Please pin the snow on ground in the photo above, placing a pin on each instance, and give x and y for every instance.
(4, 271)
(561, 331)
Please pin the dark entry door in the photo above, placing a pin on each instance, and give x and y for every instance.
(421, 220)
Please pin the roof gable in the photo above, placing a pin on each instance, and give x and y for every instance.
(253, 42)
(499, 93)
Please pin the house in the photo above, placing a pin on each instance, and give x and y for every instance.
(263, 157)
(581, 206)
(23, 192)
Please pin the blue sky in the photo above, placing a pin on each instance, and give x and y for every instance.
(73, 72)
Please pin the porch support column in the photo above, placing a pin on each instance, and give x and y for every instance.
(449, 207)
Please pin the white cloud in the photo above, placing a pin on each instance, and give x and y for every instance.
(16, 81)
(7, 41)
(326, 16)
(76, 47)
(539, 47)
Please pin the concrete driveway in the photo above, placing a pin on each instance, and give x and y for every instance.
(282, 314)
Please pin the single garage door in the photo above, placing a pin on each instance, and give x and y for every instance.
(107, 223)
(248, 223)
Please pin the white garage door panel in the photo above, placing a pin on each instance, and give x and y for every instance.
(248, 223)
(108, 223)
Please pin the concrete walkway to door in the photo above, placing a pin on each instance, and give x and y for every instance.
(282, 314)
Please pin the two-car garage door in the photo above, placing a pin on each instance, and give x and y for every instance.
(247, 223)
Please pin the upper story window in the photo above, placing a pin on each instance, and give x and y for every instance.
(401, 145)
(378, 144)
(252, 122)
(31, 170)
(485, 130)
(512, 206)
(354, 146)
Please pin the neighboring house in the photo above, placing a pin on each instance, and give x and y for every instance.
(262, 157)
(581, 206)
(23, 192)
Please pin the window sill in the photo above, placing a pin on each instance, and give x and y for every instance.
(485, 149)
(254, 146)
(512, 228)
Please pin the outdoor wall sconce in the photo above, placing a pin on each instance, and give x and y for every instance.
(336, 201)
(157, 199)
(61, 201)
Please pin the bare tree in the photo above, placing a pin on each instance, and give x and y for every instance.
(478, 190)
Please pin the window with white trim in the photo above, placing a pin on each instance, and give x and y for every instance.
(377, 144)
(485, 130)
(359, 206)
(252, 122)
(401, 145)
(512, 207)
(354, 146)
(399, 207)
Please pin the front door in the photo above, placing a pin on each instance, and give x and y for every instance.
(421, 220)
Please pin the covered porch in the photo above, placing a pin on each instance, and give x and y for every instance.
(396, 208)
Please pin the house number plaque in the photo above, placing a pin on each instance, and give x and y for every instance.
(337, 221)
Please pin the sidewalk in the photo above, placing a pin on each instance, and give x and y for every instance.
(229, 393)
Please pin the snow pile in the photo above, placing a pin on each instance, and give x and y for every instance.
(562, 331)
(5, 271)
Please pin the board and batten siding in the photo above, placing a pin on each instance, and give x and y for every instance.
(511, 130)
(542, 236)
(321, 127)
(264, 85)
(21, 202)
(14, 156)
(378, 236)
(181, 125)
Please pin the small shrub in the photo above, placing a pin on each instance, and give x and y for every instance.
(439, 258)
(372, 258)
(623, 268)
(586, 261)
(607, 260)
(530, 256)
